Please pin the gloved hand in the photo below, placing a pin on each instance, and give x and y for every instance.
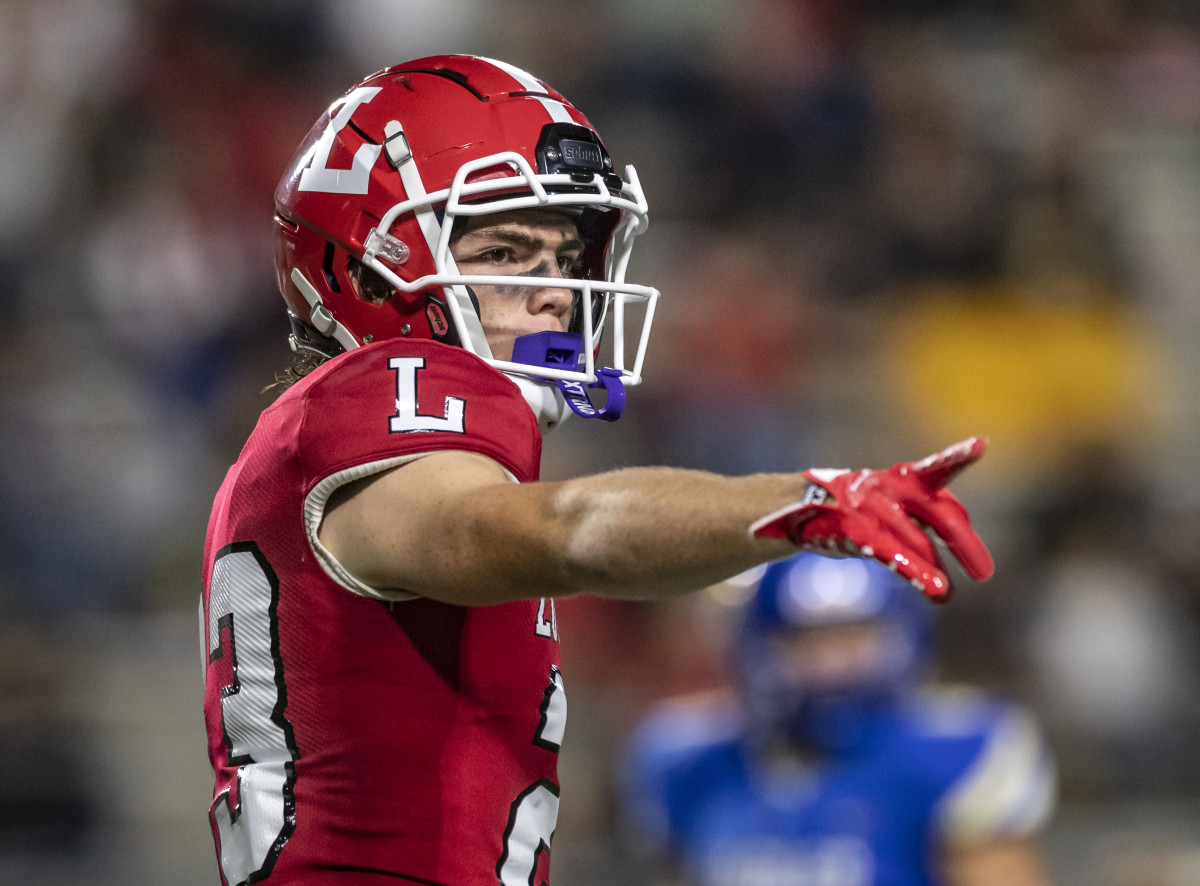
(884, 514)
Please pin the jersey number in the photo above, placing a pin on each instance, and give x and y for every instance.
(533, 815)
(531, 821)
(252, 823)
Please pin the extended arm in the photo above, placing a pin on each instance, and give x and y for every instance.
(452, 527)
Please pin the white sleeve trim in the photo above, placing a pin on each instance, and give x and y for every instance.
(1009, 791)
(314, 513)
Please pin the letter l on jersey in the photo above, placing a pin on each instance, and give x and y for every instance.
(407, 419)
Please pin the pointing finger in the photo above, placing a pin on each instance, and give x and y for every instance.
(936, 470)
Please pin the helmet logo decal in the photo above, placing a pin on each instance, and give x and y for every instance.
(437, 319)
(317, 176)
(585, 154)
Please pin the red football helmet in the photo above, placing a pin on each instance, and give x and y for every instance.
(382, 176)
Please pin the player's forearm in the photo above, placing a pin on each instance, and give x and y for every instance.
(645, 532)
(452, 527)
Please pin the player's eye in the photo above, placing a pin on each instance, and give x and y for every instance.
(497, 256)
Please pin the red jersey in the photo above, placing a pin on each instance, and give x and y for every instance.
(364, 736)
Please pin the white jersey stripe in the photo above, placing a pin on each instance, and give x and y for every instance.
(555, 109)
(1008, 791)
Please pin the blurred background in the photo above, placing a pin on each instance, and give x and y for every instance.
(878, 226)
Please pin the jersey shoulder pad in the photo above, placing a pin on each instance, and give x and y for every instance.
(397, 397)
(999, 776)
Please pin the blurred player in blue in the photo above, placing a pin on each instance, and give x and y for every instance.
(836, 765)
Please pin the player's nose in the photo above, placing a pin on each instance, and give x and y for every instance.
(556, 300)
(550, 298)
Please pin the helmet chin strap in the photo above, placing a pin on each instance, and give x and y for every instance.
(564, 350)
(546, 401)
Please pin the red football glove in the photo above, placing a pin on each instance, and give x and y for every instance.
(883, 515)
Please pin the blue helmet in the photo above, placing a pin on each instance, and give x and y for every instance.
(826, 645)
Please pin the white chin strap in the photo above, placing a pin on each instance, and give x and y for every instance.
(545, 399)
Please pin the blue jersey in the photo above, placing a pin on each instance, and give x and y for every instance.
(946, 772)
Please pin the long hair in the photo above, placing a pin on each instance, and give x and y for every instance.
(302, 363)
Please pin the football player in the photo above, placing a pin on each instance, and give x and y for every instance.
(383, 695)
(834, 761)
